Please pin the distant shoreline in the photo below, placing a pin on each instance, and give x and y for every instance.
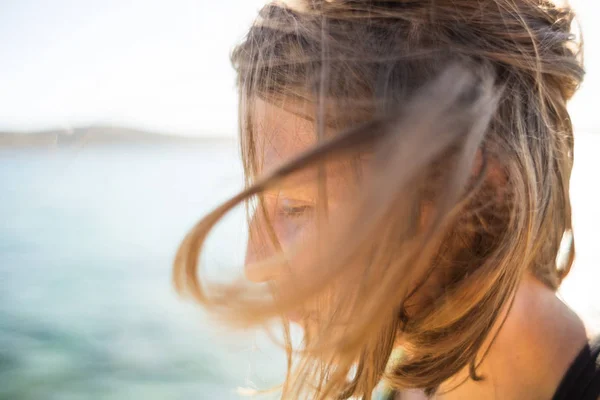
(97, 135)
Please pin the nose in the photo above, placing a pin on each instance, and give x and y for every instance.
(258, 252)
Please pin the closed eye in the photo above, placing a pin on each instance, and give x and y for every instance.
(288, 210)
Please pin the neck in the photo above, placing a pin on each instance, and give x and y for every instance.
(532, 351)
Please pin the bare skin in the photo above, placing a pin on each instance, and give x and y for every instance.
(533, 350)
(539, 339)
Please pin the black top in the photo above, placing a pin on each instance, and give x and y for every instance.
(582, 379)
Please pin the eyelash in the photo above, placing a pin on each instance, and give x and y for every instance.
(295, 211)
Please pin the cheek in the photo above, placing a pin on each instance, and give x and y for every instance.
(261, 246)
(290, 229)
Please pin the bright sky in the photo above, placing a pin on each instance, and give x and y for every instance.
(161, 65)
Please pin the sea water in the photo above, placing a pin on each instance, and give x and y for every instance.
(87, 309)
(87, 239)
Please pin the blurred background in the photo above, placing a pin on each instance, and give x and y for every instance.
(117, 132)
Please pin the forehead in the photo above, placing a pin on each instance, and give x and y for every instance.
(280, 131)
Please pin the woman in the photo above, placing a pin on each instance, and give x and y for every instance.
(407, 166)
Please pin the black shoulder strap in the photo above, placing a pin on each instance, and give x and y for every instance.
(582, 379)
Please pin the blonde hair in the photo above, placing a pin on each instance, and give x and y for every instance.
(462, 105)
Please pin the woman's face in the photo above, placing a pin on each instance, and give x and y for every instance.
(291, 208)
